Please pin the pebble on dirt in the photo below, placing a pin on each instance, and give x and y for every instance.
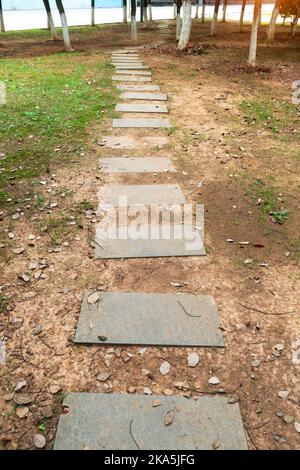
(193, 359)
(39, 441)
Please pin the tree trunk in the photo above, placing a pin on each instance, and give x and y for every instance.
(203, 11)
(2, 27)
(141, 11)
(295, 22)
(186, 25)
(197, 9)
(64, 24)
(174, 8)
(254, 29)
(224, 11)
(242, 15)
(150, 10)
(124, 11)
(272, 25)
(93, 12)
(215, 18)
(178, 20)
(50, 20)
(133, 21)
(145, 10)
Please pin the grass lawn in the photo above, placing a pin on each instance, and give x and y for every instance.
(51, 102)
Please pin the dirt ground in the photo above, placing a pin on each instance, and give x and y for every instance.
(258, 301)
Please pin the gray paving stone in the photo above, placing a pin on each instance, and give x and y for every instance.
(137, 165)
(150, 319)
(127, 142)
(142, 123)
(127, 95)
(141, 108)
(145, 194)
(109, 246)
(128, 87)
(130, 78)
(100, 421)
(129, 67)
(133, 72)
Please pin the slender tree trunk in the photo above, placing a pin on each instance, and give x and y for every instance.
(174, 8)
(215, 18)
(283, 21)
(242, 15)
(203, 11)
(145, 7)
(124, 11)
(93, 12)
(133, 21)
(64, 24)
(178, 19)
(186, 25)
(150, 10)
(254, 29)
(2, 27)
(141, 11)
(295, 23)
(272, 25)
(224, 11)
(197, 9)
(50, 20)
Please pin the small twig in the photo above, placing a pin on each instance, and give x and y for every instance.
(132, 437)
(186, 312)
(264, 311)
(260, 425)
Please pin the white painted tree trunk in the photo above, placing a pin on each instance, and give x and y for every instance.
(242, 16)
(64, 24)
(203, 11)
(295, 22)
(133, 29)
(215, 18)
(186, 25)
(124, 11)
(272, 25)
(50, 21)
(145, 14)
(93, 13)
(174, 10)
(224, 11)
(178, 26)
(150, 11)
(197, 9)
(2, 26)
(254, 30)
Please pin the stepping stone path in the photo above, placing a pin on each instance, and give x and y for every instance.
(126, 421)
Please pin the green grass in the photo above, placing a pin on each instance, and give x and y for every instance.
(44, 33)
(269, 204)
(51, 103)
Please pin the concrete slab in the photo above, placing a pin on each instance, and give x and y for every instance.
(128, 87)
(145, 194)
(133, 72)
(142, 123)
(127, 95)
(136, 165)
(110, 244)
(130, 78)
(150, 319)
(127, 142)
(129, 67)
(141, 108)
(99, 421)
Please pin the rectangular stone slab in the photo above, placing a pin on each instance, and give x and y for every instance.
(115, 421)
(150, 319)
(129, 78)
(136, 165)
(128, 142)
(128, 95)
(145, 194)
(119, 63)
(141, 108)
(128, 68)
(126, 247)
(142, 123)
(133, 72)
(124, 86)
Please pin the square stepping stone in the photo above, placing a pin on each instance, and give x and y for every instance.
(131, 95)
(142, 123)
(133, 72)
(148, 241)
(127, 142)
(145, 194)
(130, 78)
(149, 319)
(128, 87)
(115, 421)
(128, 67)
(136, 165)
(141, 108)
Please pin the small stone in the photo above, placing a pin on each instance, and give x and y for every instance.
(93, 298)
(156, 403)
(32, 266)
(142, 351)
(47, 412)
(193, 359)
(23, 399)
(22, 412)
(164, 368)
(147, 391)
(283, 394)
(25, 277)
(279, 438)
(214, 380)
(10, 235)
(288, 419)
(9, 396)
(297, 426)
(168, 392)
(39, 441)
(279, 346)
(103, 376)
(248, 261)
(53, 205)
(175, 284)
(54, 389)
(31, 237)
(280, 414)
(131, 389)
(37, 330)
(255, 363)
(169, 417)
(20, 385)
(15, 216)
(18, 251)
